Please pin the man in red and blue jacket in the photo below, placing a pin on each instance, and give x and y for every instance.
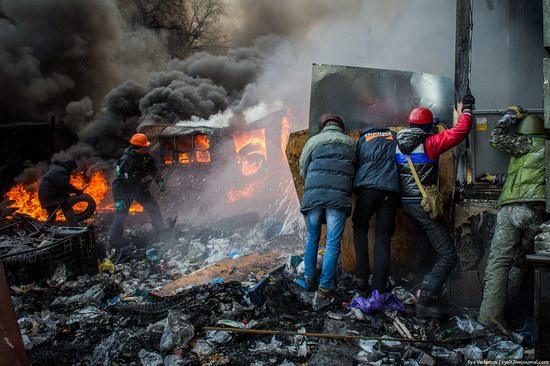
(424, 147)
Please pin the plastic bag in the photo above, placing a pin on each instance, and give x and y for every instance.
(377, 302)
(468, 325)
(505, 350)
(177, 332)
(150, 358)
(471, 353)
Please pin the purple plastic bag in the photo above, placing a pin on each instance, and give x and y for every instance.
(377, 302)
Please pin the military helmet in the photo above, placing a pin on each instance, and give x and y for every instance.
(531, 125)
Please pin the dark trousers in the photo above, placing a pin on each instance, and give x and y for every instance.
(440, 240)
(384, 204)
(67, 211)
(150, 206)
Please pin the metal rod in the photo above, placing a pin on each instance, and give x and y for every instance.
(317, 335)
(35, 233)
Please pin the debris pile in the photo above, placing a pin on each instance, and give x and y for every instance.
(133, 313)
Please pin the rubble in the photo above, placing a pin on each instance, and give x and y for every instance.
(152, 309)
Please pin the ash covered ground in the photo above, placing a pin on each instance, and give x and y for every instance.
(115, 318)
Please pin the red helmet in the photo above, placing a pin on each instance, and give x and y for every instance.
(421, 116)
(335, 119)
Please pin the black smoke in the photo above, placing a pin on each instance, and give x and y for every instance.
(53, 52)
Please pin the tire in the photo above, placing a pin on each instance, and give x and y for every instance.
(90, 209)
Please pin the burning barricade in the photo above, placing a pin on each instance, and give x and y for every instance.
(25, 196)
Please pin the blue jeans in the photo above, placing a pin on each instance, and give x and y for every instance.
(335, 219)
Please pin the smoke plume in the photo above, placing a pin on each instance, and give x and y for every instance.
(53, 52)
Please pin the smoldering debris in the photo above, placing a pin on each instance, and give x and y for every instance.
(116, 316)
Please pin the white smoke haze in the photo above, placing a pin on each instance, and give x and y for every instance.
(413, 36)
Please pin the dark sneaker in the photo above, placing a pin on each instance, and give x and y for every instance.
(311, 284)
(322, 298)
(364, 286)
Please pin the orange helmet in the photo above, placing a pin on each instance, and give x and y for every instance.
(140, 140)
(421, 116)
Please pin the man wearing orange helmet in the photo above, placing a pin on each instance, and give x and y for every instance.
(422, 145)
(135, 171)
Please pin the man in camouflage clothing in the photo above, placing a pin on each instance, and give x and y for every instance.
(522, 209)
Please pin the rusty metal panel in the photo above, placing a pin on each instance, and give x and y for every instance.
(376, 96)
(12, 350)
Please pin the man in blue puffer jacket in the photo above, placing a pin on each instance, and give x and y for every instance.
(377, 188)
(327, 164)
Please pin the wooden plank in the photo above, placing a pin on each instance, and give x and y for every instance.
(237, 269)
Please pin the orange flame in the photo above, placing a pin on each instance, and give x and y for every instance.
(251, 150)
(201, 142)
(27, 203)
(184, 158)
(285, 135)
(168, 159)
(249, 190)
(203, 156)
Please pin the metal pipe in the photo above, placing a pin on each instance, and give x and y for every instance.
(317, 335)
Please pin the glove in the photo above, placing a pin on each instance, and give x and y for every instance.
(488, 178)
(516, 111)
(120, 205)
(161, 186)
(468, 102)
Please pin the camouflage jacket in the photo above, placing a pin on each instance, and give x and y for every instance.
(525, 181)
(515, 145)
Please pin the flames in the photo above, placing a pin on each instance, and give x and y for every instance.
(27, 203)
(285, 134)
(251, 150)
(252, 156)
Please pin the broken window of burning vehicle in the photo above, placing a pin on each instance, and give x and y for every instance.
(181, 145)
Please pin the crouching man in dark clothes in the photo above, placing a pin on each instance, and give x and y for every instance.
(424, 146)
(135, 171)
(55, 188)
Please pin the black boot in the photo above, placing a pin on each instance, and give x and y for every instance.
(311, 284)
(364, 286)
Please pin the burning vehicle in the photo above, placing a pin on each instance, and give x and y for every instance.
(247, 156)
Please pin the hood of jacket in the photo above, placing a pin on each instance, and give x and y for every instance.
(409, 138)
(332, 126)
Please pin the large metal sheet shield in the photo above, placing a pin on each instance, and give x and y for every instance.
(367, 96)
